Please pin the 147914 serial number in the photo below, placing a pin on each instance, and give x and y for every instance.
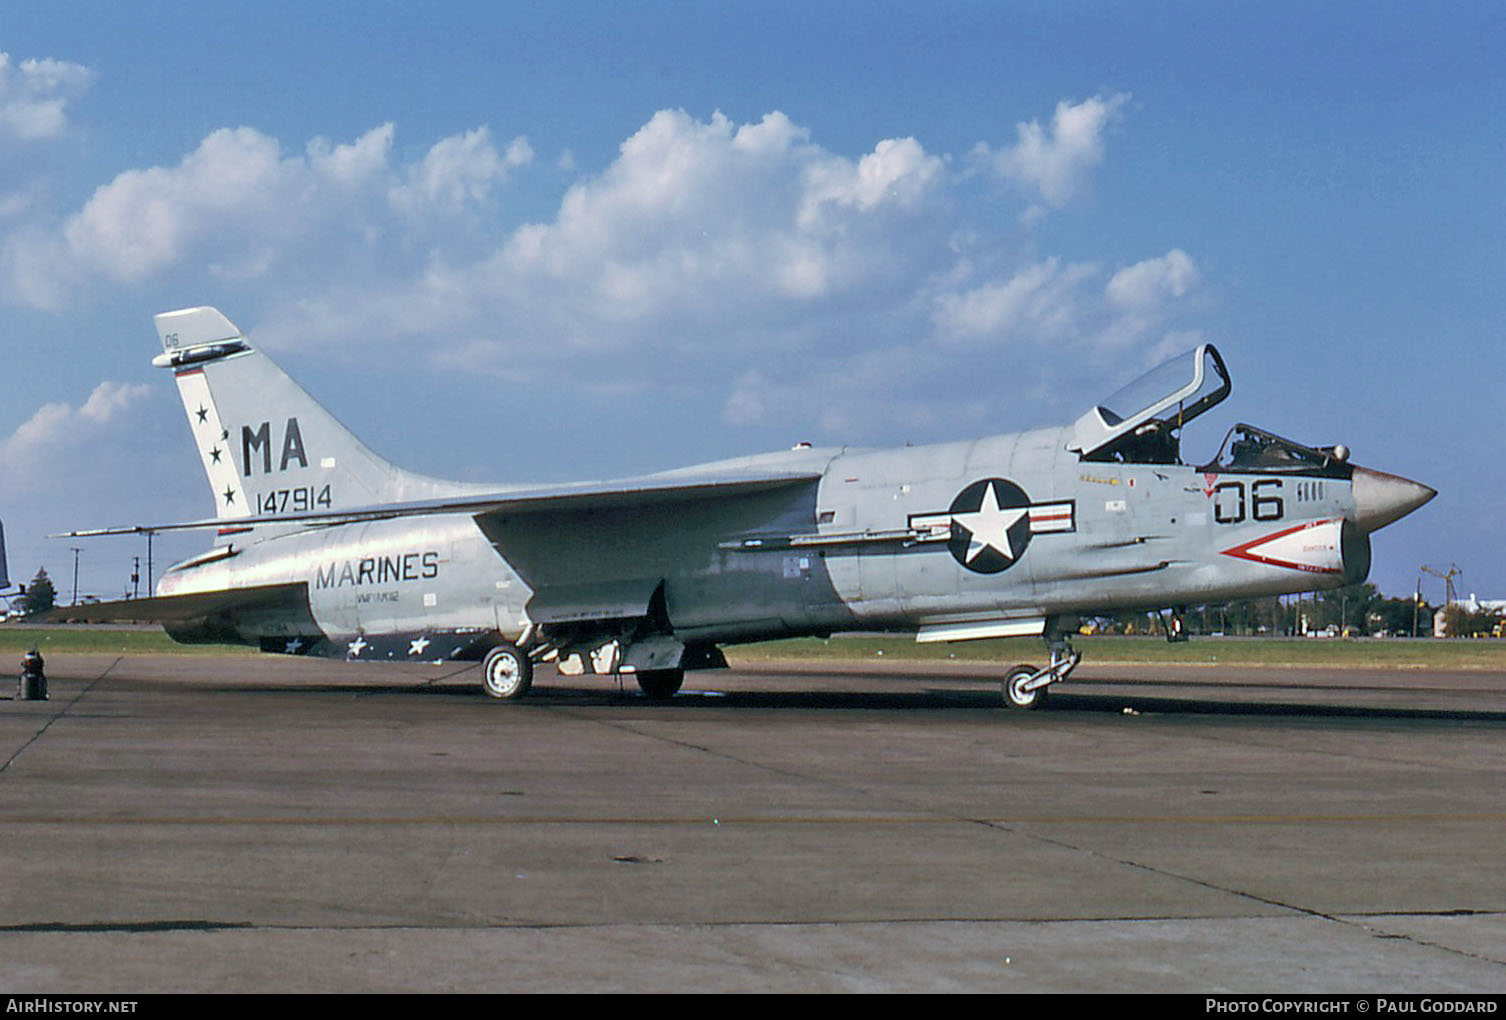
(303, 498)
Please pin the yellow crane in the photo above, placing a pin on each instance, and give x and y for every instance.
(1449, 594)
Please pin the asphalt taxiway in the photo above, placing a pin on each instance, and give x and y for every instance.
(244, 824)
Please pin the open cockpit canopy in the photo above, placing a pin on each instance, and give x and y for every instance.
(1140, 423)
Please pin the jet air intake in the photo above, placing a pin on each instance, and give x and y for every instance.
(1354, 552)
(1333, 546)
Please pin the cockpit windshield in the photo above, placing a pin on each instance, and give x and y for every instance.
(1249, 450)
(1140, 422)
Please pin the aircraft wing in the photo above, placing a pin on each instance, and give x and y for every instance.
(182, 608)
(650, 490)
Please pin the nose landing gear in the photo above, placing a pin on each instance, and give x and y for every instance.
(1026, 686)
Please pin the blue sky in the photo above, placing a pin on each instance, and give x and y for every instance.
(535, 242)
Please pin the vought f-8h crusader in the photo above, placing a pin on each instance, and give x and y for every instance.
(326, 549)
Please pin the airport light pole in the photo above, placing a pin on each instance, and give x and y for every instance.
(76, 551)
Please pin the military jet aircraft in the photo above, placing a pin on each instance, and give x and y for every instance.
(326, 549)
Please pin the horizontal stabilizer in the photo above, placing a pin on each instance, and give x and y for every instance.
(190, 328)
(182, 608)
(651, 490)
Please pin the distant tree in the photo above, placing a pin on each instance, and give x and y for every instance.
(1463, 623)
(1399, 616)
(40, 594)
(1349, 606)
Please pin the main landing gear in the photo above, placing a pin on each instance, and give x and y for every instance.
(660, 684)
(507, 672)
(1026, 686)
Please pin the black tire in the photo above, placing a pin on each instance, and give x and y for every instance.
(1014, 697)
(506, 673)
(660, 684)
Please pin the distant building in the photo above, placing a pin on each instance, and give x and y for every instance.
(1475, 604)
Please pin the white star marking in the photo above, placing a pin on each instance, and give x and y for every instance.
(989, 526)
(356, 646)
(291, 648)
(417, 645)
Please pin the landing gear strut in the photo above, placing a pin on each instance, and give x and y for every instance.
(1026, 686)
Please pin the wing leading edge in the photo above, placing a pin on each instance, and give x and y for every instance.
(589, 496)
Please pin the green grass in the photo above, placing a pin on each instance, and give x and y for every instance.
(1357, 653)
(81, 640)
(1364, 652)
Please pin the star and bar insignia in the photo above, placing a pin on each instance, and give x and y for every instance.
(990, 523)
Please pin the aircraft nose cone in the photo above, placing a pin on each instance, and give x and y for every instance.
(1380, 498)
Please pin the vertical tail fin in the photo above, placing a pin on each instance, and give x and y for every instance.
(266, 445)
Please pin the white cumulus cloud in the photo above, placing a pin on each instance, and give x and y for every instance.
(1146, 284)
(798, 282)
(354, 163)
(1037, 303)
(58, 424)
(460, 171)
(34, 96)
(1055, 161)
(706, 217)
(744, 264)
(242, 207)
(144, 220)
